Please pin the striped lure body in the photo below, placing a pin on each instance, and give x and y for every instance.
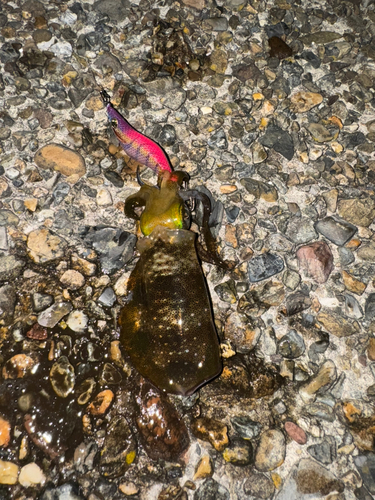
(136, 145)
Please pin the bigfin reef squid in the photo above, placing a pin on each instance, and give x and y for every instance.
(167, 326)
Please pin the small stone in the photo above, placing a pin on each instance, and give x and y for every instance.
(300, 230)
(211, 489)
(62, 377)
(85, 391)
(325, 451)
(84, 266)
(31, 475)
(357, 211)
(297, 302)
(37, 332)
(352, 284)
(31, 204)
(326, 375)
(18, 366)
(366, 466)
(239, 452)
(320, 133)
(51, 316)
(337, 231)
(107, 298)
(61, 159)
(77, 321)
(291, 345)
(119, 450)
(279, 48)
(103, 198)
(41, 301)
(44, 246)
(212, 431)
(258, 486)
(337, 325)
(370, 307)
(309, 479)
(73, 280)
(8, 301)
(128, 488)
(367, 252)
(264, 266)
(10, 267)
(5, 429)
(227, 291)
(304, 101)
(8, 472)
(270, 453)
(279, 140)
(260, 189)
(295, 432)
(316, 260)
(245, 427)
(291, 279)
(204, 468)
(101, 403)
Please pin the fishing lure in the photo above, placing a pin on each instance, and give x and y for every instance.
(167, 326)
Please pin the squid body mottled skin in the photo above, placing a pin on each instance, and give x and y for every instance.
(167, 326)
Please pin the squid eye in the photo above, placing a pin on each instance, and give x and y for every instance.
(114, 123)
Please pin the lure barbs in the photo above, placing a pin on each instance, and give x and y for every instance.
(136, 145)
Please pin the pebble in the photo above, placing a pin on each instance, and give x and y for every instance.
(5, 429)
(295, 432)
(53, 314)
(337, 325)
(62, 377)
(45, 246)
(204, 468)
(211, 489)
(10, 267)
(360, 212)
(326, 375)
(31, 475)
(300, 230)
(73, 280)
(304, 101)
(8, 472)
(352, 284)
(77, 321)
(18, 366)
(270, 452)
(101, 403)
(258, 486)
(260, 189)
(324, 452)
(212, 431)
(316, 261)
(264, 266)
(337, 231)
(61, 159)
(291, 345)
(279, 140)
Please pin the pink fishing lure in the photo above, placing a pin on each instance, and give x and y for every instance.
(136, 145)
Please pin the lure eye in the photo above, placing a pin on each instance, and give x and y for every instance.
(114, 123)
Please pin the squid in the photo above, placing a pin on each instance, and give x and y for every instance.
(166, 325)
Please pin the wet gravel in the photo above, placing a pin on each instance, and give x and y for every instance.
(270, 108)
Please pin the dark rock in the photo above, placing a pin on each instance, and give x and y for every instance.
(245, 72)
(337, 231)
(246, 427)
(119, 449)
(258, 486)
(279, 48)
(263, 266)
(218, 140)
(370, 307)
(167, 136)
(77, 96)
(211, 490)
(297, 302)
(239, 452)
(113, 177)
(291, 345)
(66, 491)
(300, 230)
(114, 246)
(366, 466)
(107, 298)
(324, 452)
(41, 301)
(279, 140)
(60, 192)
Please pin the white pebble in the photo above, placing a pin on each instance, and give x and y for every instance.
(30, 475)
(77, 321)
(103, 198)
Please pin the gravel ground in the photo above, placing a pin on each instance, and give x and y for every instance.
(269, 107)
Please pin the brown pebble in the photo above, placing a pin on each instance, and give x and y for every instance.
(352, 284)
(295, 432)
(4, 432)
(204, 468)
(18, 366)
(37, 332)
(101, 403)
(279, 48)
(212, 431)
